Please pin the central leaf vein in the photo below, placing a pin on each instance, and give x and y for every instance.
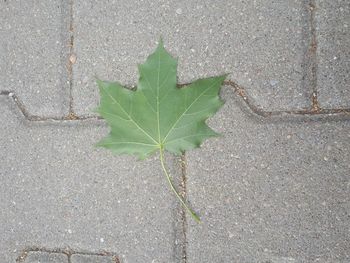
(158, 118)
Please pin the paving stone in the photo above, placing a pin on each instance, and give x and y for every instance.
(45, 257)
(333, 37)
(59, 191)
(76, 258)
(34, 48)
(262, 44)
(270, 191)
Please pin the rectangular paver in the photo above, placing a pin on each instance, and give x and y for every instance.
(34, 47)
(59, 191)
(270, 191)
(333, 37)
(262, 44)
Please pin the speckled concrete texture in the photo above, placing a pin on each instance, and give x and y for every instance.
(333, 38)
(261, 44)
(91, 259)
(59, 191)
(34, 47)
(270, 191)
(45, 257)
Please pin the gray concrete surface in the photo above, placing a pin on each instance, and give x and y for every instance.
(262, 44)
(60, 257)
(91, 259)
(274, 190)
(34, 46)
(333, 37)
(270, 191)
(44, 257)
(58, 191)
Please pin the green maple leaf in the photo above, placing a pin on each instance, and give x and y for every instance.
(158, 116)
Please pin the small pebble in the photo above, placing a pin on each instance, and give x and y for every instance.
(273, 82)
(179, 11)
(73, 58)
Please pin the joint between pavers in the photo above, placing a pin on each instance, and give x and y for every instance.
(293, 113)
(30, 117)
(183, 212)
(240, 91)
(315, 107)
(66, 251)
(71, 61)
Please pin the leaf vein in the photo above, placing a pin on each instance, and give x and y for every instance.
(189, 108)
(138, 126)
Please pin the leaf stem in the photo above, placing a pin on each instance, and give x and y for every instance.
(192, 213)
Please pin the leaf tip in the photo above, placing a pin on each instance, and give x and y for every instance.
(99, 82)
(216, 134)
(223, 76)
(97, 145)
(141, 157)
(160, 41)
(222, 102)
(197, 219)
(96, 110)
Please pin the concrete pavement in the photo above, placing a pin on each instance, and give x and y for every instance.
(274, 188)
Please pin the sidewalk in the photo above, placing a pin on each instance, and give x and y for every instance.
(274, 188)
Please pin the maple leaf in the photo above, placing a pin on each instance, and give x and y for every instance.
(158, 116)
